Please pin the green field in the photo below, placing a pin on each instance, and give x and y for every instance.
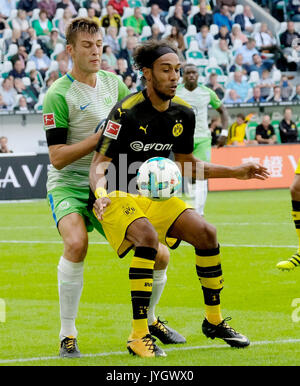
(255, 231)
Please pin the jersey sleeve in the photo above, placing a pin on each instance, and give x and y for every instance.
(109, 143)
(123, 90)
(55, 110)
(215, 102)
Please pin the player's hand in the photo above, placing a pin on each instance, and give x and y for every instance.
(99, 207)
(251, 170)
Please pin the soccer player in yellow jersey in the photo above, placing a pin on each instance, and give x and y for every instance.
(294, 261)
(146, 124)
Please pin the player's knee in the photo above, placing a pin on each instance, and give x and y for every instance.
(207, 237)
(148, 236)
(295, 191)
(162, 258)
(76, 248)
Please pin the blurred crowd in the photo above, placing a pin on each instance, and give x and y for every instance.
(237, 56)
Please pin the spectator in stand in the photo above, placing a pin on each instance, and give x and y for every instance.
(91, 14)
(224, 34)
(119, 5)
(111, 39)
(41, 61)
(177, 38)
(205, 39)
(136, 21)
(287, 37)
(36, 84)
(28, 6)
(264, 38)
(3, 26)
(287, 128)
(215, 86)
(110, 57)
(122, 68)
(239, 85)
(14, 39)
(293, 8)
(232, 98)
(22, 105)
(64, 22)
(106, 67)
(259, 65)
(21, 55)
(256, 98)
(127, 52)
(265, 133)
(237, 132)
(49, 6)
(71, 4)
(276, 98)
(62, 68)
(266, 84)
(3, 145)
(8, 93)
(179, 19)
(202, 17)
(42, 25)
(231, 4)
(96, 4)
(222, 54)
(53, 41)
(20, 22)
(186, 5)
(111, 19)
(3, 105)
(32, 40)
(156, 17)
(163, 5)
(247, 50)
(293, 59)
(238, 65)
(286, 88)
(18, 70)
(130, 83)
(246, 20)
(237, 34)
(6, 6)
(223, 17)
(296, 97)
(155, 33)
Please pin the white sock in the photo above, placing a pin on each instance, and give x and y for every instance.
(159, 281)
(70, 283)
(200, 196)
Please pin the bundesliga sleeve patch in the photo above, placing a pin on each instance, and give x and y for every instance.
(112, 129)
(49, 121)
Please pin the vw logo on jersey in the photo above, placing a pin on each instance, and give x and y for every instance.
(107, 99)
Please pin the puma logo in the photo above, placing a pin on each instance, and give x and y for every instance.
(144, 129)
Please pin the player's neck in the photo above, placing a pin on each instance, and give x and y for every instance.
(88, 78)
(190, 86)
(158, 103)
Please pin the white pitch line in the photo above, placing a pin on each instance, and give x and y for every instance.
(183, 244)
(181, 348)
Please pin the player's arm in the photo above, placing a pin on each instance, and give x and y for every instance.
(61, 154)
(193, 167)
(98, 183)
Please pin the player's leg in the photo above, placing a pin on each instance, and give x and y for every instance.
(202, 150)
(157, 327)
(70, 279)
(294, 260)
(193, 229)
(144, 238)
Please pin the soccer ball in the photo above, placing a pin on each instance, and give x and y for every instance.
(159, 178)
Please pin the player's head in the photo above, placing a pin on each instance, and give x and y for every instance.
(159, 62)
(85, 44)
(190, 75)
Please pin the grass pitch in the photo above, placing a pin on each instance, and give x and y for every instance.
(255, 231)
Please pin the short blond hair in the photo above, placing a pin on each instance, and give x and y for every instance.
(81, 24)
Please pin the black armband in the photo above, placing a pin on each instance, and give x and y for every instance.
(57, 136)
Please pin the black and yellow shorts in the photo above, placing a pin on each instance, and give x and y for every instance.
(126, 208)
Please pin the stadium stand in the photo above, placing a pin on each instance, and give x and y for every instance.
(34, 36)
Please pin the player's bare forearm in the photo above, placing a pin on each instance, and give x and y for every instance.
(63, 155)
(193, 167)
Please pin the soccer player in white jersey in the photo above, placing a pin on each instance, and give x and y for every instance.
(200, 97)
(73, 108)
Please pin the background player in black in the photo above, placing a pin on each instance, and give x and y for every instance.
(160, 65)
